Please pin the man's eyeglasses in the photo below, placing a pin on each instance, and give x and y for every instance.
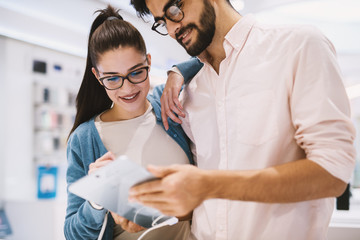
(116, 81)
(173, 13)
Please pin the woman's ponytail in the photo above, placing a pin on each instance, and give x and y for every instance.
(108, 32)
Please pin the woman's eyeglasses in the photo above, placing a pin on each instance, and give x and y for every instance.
(116, 81)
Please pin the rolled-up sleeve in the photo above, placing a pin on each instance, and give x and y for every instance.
(320, 108)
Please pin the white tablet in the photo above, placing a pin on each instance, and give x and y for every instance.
(109, 187)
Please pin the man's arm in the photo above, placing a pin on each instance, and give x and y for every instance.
(301, 180)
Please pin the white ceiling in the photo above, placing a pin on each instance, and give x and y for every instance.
(64, 25)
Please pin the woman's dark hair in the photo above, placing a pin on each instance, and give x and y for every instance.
(108, 32)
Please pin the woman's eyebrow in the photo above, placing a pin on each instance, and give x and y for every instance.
(136, 66)
(133, 67)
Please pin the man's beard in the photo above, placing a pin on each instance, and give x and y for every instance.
(205, 35)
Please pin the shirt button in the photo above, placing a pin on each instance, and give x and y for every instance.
(175, 135)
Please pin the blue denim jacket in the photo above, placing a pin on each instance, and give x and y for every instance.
(189, 68)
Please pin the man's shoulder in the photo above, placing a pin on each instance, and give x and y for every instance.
(301, 32)
(287, 38)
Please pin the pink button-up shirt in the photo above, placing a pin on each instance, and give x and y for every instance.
(278, 98)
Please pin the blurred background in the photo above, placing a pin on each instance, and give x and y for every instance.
(43, 47)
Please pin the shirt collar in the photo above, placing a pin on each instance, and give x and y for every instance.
(239, 33)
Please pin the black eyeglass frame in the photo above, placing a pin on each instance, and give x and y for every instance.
(166, 8)
(125, 78)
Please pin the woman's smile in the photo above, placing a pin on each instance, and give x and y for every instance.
(130, 98)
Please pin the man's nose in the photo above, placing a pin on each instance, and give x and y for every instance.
(173, 28)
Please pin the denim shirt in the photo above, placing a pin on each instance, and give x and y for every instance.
(189, 68)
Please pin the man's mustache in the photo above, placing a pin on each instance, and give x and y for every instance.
(184, 29)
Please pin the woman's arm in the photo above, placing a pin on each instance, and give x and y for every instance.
(82, 221)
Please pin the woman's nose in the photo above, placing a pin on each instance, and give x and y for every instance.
(127, 85)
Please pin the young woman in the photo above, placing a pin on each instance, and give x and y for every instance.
(116, 116)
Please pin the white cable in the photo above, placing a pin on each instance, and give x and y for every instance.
(169, 222)
(103, 226)
(156, 220)
(136, 213)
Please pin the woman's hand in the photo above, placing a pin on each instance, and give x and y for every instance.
(100, 162)
(125, 224)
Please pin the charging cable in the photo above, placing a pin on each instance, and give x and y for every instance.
(169, 222)
(103, 226)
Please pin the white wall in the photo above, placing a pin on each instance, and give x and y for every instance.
(2, 119)
(17, 122)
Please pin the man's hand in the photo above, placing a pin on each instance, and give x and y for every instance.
(125, 224)
(180, 189)
(100, 162)
(170, 103)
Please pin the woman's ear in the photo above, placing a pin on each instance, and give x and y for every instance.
(95, 74)
(148, 58)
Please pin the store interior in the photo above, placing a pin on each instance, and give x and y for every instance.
(43, 47)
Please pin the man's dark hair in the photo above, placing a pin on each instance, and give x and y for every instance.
(142, 10)
(140, 7)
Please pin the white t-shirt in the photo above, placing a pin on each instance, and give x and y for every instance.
(141, 139)
(145, 142)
